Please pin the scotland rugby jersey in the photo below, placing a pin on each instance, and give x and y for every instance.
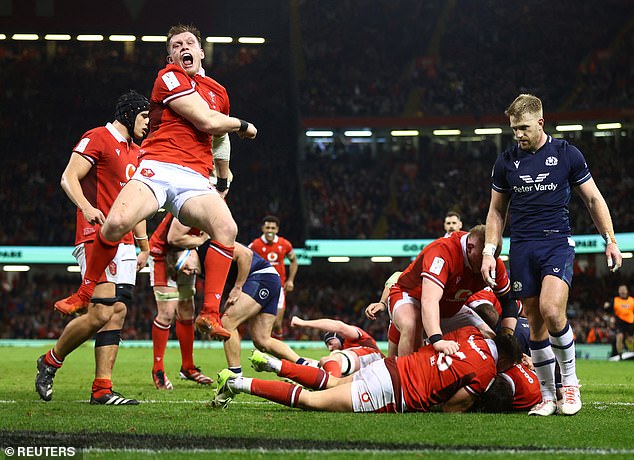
(538, 185)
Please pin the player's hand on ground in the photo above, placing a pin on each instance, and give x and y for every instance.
(488, 270)
(448, 347)
(250, 132)
(372, 309)
(93, 215)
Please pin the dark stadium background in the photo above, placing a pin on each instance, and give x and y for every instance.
(328, 65)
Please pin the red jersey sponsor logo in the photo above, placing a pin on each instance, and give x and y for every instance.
(147, 172)
(112, 268)
(129, 171)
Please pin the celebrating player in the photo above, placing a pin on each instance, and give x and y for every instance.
(187, 109)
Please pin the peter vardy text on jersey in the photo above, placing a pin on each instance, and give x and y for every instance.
(535, 188)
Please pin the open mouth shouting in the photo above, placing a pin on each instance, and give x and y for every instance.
(187, 59)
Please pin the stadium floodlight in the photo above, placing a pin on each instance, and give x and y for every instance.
(358, 133)
(603, 134)
(609, 125)
(90, 38)
(446, 132)
(627, 255)
(16, 268)
(566, 128)
(3, 37)
(219, 40)
(504, 258)
(338, 259)
(381, 259)
(73, 269)
(154, 38)
(313, 133)
(28, 37)
(251, 40)
(122, 38)
(57, 37)
(483, 131)
(404, 133)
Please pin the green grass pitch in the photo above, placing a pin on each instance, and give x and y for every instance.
(181, 424)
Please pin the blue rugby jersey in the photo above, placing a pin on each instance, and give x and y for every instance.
(259, 263)
(539, 186)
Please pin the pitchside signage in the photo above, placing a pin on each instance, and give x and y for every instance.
(585, 244)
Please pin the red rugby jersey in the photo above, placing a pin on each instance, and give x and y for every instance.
(525, 384)
(275, 252)
(173, 139)
(444, 262)
(429, 377)
(114, 161)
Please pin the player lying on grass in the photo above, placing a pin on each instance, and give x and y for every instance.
(412, 383)
(253, 299)
(351, 348)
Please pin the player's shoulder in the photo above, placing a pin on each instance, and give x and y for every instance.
(175, 69)
(510, 154)
(285, 242)
(172, 78)
(97, 132)
(94, 138)
(451, 244)
(214, 83)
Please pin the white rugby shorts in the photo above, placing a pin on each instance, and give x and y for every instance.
(372, 389)
(120, 270)
(172, 184)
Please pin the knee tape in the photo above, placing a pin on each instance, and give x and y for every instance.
(107, 338)
(186, 292)
(165, 296)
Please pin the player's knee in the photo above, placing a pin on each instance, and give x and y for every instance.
(262, 342)
(225, 230)
(166, 311)
(406, 324)
(115, 227)
(554, 319)
(100, 315)
(119, 312)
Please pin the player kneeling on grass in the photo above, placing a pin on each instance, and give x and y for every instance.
(351, 348)
(252, 299)
(412, 383)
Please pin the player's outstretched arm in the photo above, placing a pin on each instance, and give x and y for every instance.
(326, 324)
